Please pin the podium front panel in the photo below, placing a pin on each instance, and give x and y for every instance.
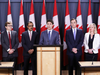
(48, 60)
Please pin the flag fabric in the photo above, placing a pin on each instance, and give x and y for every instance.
(80, 24)
(9, 16)
(98, 30)
(66, 27)
(20, 31)
(43, 18)
(89, 18)
(32, 16)
(55, 19)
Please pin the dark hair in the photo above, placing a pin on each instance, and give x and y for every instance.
(29, 22)
(50, 21)
(73, 19)
(7, 23)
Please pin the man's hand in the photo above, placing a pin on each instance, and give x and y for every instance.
(31, 51)
(11, 51)
(90, 51)
(74, 50)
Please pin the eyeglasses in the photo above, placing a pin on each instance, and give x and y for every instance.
(9, 25)
(30, 25)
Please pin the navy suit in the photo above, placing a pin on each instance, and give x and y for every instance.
(5, 45)
(44, 40)
(27, 45)
(71, 43)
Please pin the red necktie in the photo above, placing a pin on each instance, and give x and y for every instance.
(9, 40)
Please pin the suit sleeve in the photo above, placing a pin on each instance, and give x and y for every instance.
(24, 43)
(17, 42)
(85, 42)
(68, 42)
(81, 41)
(3, 43)
(57, 39)
(37, 38)
(41, 39)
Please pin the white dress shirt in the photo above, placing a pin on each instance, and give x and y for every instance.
(75, 30)
(8, 37)
(29, 33)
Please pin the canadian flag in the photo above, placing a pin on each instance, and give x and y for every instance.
(20, 31)
(9, 17)
(0, 47)
(43, 18)
(32, 16)
(55, 19)
(98, 30)
(79, 23)
(89, 18)
(66, 27)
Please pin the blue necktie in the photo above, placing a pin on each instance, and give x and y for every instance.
(74, 34)
(49, 35)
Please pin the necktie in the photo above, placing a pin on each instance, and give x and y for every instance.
(9, 40)
(49, 35)
(30, 35)
(74, 34)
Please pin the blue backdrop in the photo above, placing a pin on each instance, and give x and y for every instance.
(15, 10)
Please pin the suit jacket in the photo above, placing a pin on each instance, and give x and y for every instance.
(44, 40)
(27, 44)
(5, 43)
(71, 43)
(96, 42)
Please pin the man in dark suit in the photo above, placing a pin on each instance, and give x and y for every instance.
(74, 40)
(9, 41)
(29, 38)
(49, 36)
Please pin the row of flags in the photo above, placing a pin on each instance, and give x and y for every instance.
(56, 25)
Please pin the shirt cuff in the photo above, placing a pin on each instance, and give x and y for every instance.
(8, 50)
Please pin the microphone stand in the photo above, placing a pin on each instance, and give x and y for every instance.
(93, 58)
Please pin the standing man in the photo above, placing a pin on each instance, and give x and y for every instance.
(74, 40)
(29, 38)
(49, 36)
(9, 41)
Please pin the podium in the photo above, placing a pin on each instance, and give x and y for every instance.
(48, 59)
(6, 68)
(86, 68)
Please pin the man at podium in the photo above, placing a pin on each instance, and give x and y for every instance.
(49, 36)
(74, 40)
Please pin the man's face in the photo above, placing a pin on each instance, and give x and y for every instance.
(73, 23)
(49, 25)
(8, 27)
(30, 26)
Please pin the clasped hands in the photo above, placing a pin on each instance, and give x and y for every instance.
(11, 51)
(90, 51)
(74, 50)
(31, 51)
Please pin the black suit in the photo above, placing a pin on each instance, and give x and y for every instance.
(5, 45)
(27, 45)
(71, 43)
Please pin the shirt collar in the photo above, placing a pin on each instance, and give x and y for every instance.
(49, 30)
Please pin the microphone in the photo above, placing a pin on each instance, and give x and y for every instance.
(93, 58)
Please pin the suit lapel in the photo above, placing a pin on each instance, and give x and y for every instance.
(28, 36)
(6, 37)
(32, 35)
(72, 34)
(52, 35)
(47, 35)
(77, 34)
